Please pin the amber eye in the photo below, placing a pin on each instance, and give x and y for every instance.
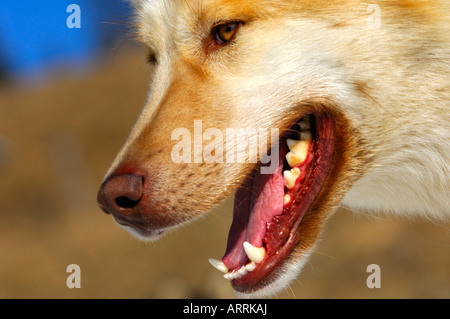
(224, 33)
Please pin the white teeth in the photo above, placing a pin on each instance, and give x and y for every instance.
(230, 276)
(290, 177)
(291, 143)
(251, 266)
(218, 264)
(241, 272)
(287, 199)
(298, 151)
(305, 136)
(254, 253)
(293, 159)
(305, 123)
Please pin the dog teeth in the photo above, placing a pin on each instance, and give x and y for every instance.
(251, 266)
(298, 150)
(218, 264)
(293, 159)
(290, 177)
(241, 272)
(287, 199)
(292, 144)
(305, 136)
(255, 254)
(297, 155)
(305, 123)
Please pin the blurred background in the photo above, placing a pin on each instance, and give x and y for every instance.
(68, 99)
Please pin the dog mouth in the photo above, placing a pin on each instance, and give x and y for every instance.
(269, 208)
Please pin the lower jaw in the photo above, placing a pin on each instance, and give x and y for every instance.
(283, 236)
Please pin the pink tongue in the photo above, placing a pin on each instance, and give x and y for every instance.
(255, 204)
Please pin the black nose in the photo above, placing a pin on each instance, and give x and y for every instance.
(120, 195)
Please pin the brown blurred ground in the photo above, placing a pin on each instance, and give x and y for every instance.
(56, 143)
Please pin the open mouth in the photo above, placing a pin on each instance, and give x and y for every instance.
(268, 209)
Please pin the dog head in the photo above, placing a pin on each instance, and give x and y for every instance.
(276, 100)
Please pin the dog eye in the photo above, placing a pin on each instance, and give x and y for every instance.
(224, 33)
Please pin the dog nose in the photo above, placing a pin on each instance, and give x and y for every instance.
(120, 195)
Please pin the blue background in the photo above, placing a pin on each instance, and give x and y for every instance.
(35, 38)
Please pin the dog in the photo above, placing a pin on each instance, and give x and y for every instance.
(353, 99)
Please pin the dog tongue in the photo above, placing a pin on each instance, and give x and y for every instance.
(255, 204)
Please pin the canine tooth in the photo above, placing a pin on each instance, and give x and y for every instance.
(254, 253)
(219, 265)
(291, 176)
